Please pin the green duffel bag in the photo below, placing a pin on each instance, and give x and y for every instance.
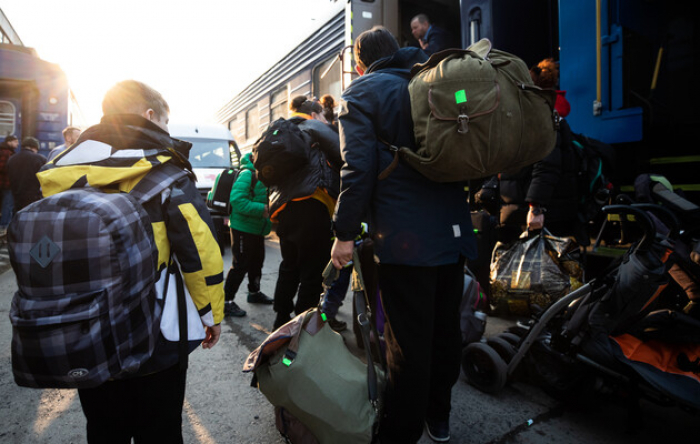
(477, 113)
(305, 368)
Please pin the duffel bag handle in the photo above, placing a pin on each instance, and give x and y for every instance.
(480, 50)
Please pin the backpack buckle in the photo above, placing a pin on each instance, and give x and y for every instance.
(463, 123)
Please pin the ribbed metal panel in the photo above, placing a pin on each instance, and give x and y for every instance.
(321, 44)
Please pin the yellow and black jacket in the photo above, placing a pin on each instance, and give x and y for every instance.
(120, 152)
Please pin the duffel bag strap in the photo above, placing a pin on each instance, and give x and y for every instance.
(392, 166)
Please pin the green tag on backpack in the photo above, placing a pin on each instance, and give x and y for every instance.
(461, 96)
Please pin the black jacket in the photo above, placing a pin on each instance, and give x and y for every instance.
(21, 169)
(413, 221)
(321, 174)
(551, 183)
(438, 40)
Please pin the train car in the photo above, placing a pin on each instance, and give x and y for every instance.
(627, 67)
(310, 69)
(35, 98)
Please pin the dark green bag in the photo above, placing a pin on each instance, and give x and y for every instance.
(477, 113)
(305, 368)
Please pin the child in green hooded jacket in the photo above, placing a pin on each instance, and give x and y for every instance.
(250, 223)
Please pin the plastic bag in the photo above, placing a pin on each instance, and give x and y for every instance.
(535, 270)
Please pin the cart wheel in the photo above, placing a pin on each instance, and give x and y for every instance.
(504, 349)
(484, 368)
(511, 338)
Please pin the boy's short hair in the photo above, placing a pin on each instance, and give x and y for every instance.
(68, 129)
(372, 45)
(10, 138)
(133, 97)
(30, 142)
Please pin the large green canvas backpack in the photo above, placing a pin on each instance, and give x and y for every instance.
(477, 113)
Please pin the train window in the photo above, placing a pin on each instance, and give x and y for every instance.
(252, 122)
(278, 104)
(327, 77)
(7, 118)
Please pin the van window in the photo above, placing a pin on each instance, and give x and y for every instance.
(210, 153)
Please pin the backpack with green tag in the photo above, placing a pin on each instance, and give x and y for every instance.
(219, 197)
(476, 112)
(282, 150)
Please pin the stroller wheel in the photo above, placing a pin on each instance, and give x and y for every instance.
(484, 368)
(504, 348)
(512, 338)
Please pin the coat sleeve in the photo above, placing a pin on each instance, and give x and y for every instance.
(545, 175)
(242, 197)
(358, 143)
(193, 241)
(328, 142)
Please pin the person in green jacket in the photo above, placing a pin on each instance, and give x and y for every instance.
(250, 223)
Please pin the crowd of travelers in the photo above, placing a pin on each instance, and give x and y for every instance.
(421, 229)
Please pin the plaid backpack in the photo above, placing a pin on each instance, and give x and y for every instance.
(86, 309)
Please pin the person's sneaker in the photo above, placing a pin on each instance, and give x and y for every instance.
(259, 298)
(337, 325)
(438, 431)
(232, 309)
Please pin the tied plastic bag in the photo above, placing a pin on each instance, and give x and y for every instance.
(535, 270)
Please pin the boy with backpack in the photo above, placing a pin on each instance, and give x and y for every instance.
(130, 169)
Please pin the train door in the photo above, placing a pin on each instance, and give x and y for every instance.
(526, 28)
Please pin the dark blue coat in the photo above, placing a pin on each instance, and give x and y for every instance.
(412, 220)
(438, 39)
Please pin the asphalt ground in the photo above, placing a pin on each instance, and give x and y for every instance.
(222, 407)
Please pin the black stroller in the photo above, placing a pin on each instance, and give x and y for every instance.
(615, 328)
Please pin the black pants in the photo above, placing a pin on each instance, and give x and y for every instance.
(248, 258)
(424, 346)
(147, 408)
(304, 230)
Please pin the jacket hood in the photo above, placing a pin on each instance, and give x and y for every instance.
(247, 162)
(116, 154)
(403, 59)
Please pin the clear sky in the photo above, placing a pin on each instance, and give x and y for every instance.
(197, 53)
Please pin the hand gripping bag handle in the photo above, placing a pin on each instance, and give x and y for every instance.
(363, 319)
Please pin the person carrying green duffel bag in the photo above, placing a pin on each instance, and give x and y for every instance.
(476, 113)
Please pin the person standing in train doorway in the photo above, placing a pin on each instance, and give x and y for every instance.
(431, 38)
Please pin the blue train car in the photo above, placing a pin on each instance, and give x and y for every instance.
(35, 98)
(627, 66)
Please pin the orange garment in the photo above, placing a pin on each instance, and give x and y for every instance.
(661, 355)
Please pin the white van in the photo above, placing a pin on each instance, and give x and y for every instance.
(213, 150)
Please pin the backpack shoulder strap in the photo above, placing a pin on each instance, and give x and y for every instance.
(392, 166)
(157, 180)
